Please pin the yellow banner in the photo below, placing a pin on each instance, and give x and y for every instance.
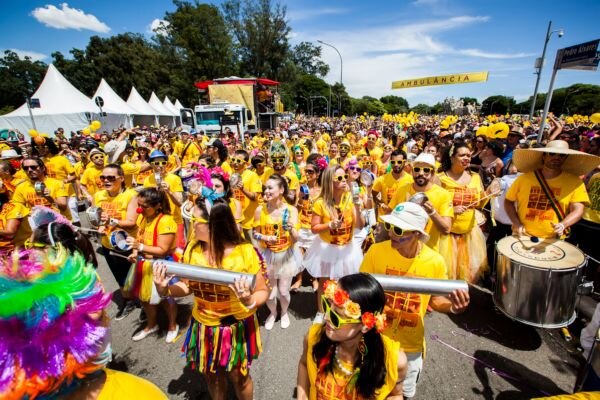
(466, 77)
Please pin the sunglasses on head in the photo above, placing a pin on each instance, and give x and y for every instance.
(396, 162)
(158, 163)
(278, 159)
(110, 178)
(341, 178)
(31, 167)
(397, 230)
(33, 245)
(355, 169)
(425, 170)
(334, 318)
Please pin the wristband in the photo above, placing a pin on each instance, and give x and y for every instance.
(113, 222)
(432, 212)
(251, 306)
(141, 247)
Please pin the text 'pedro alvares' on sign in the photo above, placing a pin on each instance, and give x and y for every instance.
(452, 79)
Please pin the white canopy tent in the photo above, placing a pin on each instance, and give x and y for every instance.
(145, 113)
(113, 101)
(178, 105)
(61, 105)
(170, 106)
(164, 111)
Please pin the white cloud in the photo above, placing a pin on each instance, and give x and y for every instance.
(310, 13)
(35, 56)
(68, 18)
(374, 57)
(158, 26)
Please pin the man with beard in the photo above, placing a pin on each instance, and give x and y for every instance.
(385, 186)
(437, 203)
(90, 179)
(344, 156)
(38, 189)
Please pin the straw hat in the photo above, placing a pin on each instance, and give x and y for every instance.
(577, 162)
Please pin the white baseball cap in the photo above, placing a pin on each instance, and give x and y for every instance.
(425, 158)
(409, 217)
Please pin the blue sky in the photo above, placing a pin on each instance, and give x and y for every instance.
(380, 41)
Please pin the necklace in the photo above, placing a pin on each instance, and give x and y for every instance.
(341, 367)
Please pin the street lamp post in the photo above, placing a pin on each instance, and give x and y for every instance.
(567, 94)
(341, 69)
(539, 64)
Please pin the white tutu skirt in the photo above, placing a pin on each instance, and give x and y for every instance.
(305, 238)
(324, 260)
(359, 236)
(283, 264)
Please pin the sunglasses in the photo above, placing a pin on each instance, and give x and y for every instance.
(237, 160)
(97, 157)
(367, 163)
(397, 230)
(200, 220)
(372, 139)
(558, 155)
(334, 318)
(310, 171)
(157, 163)
(396, 162)
(299, 154)
(278, 159)
(425, 170)
(110, 178)
(341, 178)
(355, 169)
(31, 167)
(34, 245)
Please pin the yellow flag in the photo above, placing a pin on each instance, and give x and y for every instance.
(452, 79)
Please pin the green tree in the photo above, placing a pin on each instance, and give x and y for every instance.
(307, 57)
(19, 78)
(307, 86)
(260, 32)
(394, 104)
(421, 109)
(498, 105)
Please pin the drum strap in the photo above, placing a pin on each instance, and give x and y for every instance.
(560, 213)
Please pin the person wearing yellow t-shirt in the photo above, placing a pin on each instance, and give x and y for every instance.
(118, 206)
(90, 179)
(406, 254)
(276, 229)
(14, 226)
(552, 170)
(172, 186)
(190, 152)
(8, 179)
(334, 353)
(217, 150)
(155, 238)
(248, 189)
(140, 161)
(438, 203)
(344, 153)
(280, 167)
(38, 189)
(218, 244)
(385, 186)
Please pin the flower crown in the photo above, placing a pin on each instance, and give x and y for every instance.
(341, 298)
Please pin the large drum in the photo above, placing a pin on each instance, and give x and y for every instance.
(536, 283)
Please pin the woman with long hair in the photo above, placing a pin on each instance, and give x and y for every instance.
(464, 248)
(491, 162)
(348, 357)
(480, 143)
(276, 231)
(363, 195)
(224, 336)
(155, 239)
(335, 216)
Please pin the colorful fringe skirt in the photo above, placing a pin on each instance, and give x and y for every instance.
(139, 283)
(465, 255)
(231, 347)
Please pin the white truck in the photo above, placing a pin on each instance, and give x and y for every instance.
(209, 118)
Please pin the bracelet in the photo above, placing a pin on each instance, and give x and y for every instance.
(251, 306)
(257, 235)
(432, 213)
(141, 247)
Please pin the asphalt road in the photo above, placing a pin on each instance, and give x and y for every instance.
(477, 355)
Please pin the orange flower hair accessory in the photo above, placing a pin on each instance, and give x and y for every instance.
(341, 298)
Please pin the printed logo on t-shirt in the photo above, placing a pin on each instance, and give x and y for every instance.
(402, 309)
(465, 196)
(538, 203)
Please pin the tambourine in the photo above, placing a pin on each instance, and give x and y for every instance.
(117, 240)
(367, 177)
(94, 214)
(419, 198)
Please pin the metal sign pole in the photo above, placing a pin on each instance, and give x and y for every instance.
(30, 113)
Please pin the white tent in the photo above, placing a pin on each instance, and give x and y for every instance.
(61, 105)
(145, 113)
(113, 101)
(178, 105)
(164, 111)
(170, 106)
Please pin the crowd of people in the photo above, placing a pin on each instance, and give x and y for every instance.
(327, 200)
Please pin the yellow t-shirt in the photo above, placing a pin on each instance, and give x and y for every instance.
(332, 385)
(253, 184)
(387, 185)
(25, 193)
(178, 147)
(343, 234)
(12, 210)
(226, 167)
(91, 179)
(592, 211)
(534, 209)
(405, 311)
(123, 386)
(171, 163)
(271, 227)
(59, 167)
(115, 207)
(175, 186)
(141, 176)
(440, 198)
(190, 153)
(292, 179)
(213, 302)
(148, 233)
(463, 196)
(305, 207)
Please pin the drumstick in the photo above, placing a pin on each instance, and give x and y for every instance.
(89, 230)
(493, 194)
(112, 253)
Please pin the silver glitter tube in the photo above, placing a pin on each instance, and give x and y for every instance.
(419, 285)
(204, 274)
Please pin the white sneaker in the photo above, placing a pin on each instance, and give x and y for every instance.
(319, 318)
(270, 322)
(172, 335)
(143, 333)
(285, 321)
